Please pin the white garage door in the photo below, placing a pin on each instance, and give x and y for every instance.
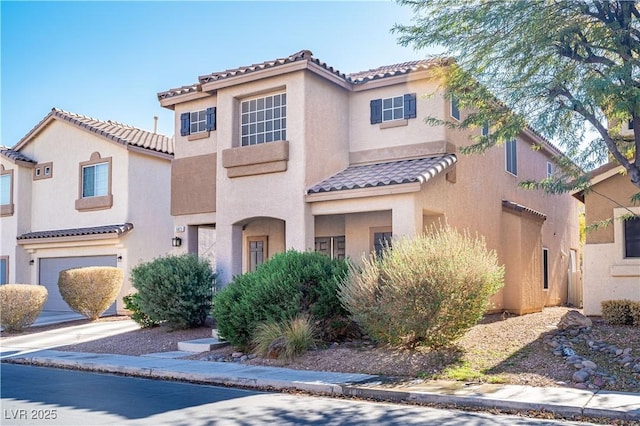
(50, 269)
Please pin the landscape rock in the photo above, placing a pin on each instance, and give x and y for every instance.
(580, 376)
(574, 319)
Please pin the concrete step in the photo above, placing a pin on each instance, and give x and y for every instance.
(201, 345)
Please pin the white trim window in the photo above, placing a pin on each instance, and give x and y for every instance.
(197, 121)
(485, 129)
(549, 169)
(95, 180)
(5, 189)
(263, 119)
(511, 157)
(393, 108)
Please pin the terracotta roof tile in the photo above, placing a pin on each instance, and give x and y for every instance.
(382, 174)
(75, 232)
(117, 132)
(304, 55)
(15, 155)
(393, 70)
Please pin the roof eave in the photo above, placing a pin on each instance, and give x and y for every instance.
(373, 191)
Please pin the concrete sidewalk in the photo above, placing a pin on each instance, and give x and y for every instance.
(566, 402)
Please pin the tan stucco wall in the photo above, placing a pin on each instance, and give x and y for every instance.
(205, 143)
(193, 184)
(599, 203)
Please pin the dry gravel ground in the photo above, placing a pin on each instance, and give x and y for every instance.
(500, 349)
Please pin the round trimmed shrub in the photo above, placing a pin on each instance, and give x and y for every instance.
(90, 291)
(20, 305)
(175, 290)
(289, 285)
(427, 291)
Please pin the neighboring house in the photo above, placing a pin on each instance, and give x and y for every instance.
(83, 192)
(611, 261)
(292, 154)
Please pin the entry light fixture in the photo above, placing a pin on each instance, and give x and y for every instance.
(176, 242)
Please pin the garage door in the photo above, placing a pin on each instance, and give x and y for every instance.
(50, 269)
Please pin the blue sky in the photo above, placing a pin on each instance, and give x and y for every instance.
(108, 60)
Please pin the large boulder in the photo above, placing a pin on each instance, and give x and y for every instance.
(574, 319)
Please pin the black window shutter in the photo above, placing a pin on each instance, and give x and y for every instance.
(376, 111)
(184, 124)
(409, 105)
(211, 119)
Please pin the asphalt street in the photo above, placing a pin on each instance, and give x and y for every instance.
(46, 396)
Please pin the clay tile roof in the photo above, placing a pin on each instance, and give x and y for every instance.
(15, 155)
(382, 174)
(305, 55)
(522, 209)
(117, 132)
(118, 230)
(393, 70)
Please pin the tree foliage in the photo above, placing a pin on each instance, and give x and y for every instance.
(567, 68)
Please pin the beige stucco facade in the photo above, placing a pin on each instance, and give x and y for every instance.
(265, 191)
(55, 220)
(608, 273)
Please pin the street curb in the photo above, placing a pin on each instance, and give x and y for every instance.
(349, 390)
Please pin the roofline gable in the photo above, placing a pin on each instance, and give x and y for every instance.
(82, 123)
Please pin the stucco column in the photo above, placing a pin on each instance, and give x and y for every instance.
(228, 252)
(299, 231)
(406, 217)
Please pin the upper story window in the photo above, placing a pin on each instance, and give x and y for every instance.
(263, 119)
(454, 110)
(549, 169)
(95, 184)
(6, 192)
(485, 129)
(511, 154)
(390, 109)
(95, 180)
(632, 237)
(198, 121)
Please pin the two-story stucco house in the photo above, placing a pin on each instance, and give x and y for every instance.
(83, 192)
(292, 154)
(611, 253)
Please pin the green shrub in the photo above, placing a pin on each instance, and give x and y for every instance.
(285, 340)
(428, 290)
(288, 285)
(132, 303)
(175, 289)
(20, 305)
(634, 311)
(617, 312)
(90, 291)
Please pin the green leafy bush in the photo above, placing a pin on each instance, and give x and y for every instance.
(20, 305)
(289, 285)
(132, 303)
(175, 289)
(285, 340)
(428, 290)
(617, 312)
(90, 291)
